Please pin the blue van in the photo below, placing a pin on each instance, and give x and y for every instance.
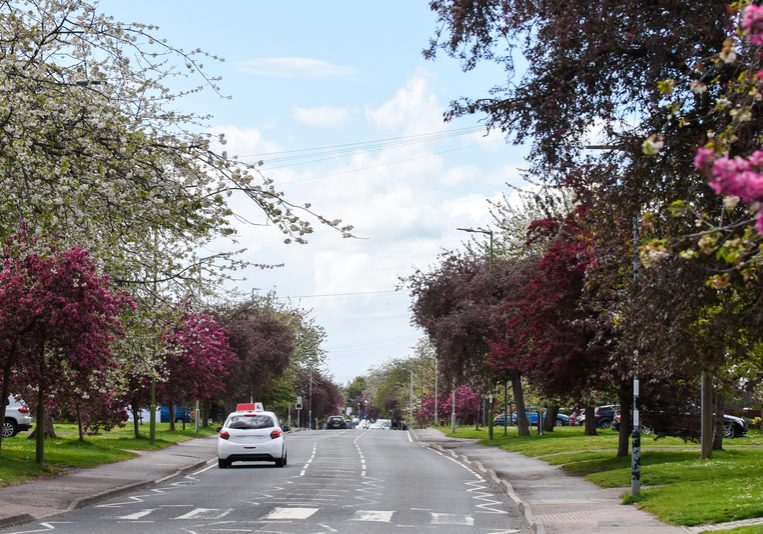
(180, 415)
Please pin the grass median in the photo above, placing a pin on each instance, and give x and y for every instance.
(67, 452)
(677, 486)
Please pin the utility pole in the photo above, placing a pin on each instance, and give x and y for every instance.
(488, 233)
(436, 418)
(410, 400)
(453, 409)
(636, 443)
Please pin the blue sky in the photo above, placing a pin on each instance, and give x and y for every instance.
(306, 74)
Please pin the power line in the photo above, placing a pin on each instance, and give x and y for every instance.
(341, 294)
(365, 146)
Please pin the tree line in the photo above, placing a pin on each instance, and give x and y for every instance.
(109, 195)
(637, 247)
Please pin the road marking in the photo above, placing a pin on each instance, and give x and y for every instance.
(203, 513)
(452, 519)
(202, 470)
(373, 515)
(138, 515)
(291, 513)
(48, 527)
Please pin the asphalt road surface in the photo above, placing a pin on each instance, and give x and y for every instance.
(336, 481)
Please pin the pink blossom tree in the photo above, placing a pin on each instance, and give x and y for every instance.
(59, 320)
(198, 358)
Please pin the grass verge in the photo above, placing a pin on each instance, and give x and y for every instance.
(66, 452)
(677, 486)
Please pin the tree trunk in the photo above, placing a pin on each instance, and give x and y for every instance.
(6, 392)
(79, 423)
(625, 398)
(39, 449)
(590, 420)
(706, 415)
(135, 408)
(718, 422)
(519, 399)
(205, 414)
(550, 422)
(172, 415)
(490, 414)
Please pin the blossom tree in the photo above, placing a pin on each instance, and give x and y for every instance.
(197, 360)
(61, 320)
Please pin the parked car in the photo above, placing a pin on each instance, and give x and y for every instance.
(180, 414)
(604, 415)
(686, 425)
(336, 421)
(17, 417)
(532, 417)
(251, 436)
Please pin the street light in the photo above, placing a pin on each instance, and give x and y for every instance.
(490, 271)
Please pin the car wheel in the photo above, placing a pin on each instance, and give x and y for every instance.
(646, 429)
(558, 422)
(223, 464)
(728, 430)
(178, 419)
(280, 462)
(606, 423)
(9, 428)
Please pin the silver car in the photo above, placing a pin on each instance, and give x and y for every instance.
(17, 417)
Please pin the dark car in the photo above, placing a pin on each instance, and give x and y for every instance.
(335, 421)
(604, 415)
(684, 425)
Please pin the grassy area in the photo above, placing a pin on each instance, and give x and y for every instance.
(677, 486)
(17, 456)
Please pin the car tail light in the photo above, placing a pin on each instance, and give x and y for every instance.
(224, 434)
(23, 409)
(276, 433)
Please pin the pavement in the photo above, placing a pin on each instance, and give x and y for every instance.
(551, 500)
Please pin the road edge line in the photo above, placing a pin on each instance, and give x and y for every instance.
(503, 484)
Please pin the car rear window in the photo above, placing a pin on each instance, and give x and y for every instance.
(250, 421)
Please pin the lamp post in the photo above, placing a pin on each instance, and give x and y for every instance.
(490, 271)
(436, 418)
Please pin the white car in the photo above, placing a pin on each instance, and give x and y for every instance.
(251, 436)
(17, 417)
(383, 424)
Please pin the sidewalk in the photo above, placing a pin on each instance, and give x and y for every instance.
(50, 496)
(552, 501)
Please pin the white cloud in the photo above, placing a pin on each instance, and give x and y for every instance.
(293, 67)
(413, 108)
(321, 116)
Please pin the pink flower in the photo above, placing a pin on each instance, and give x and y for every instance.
(752, 23)
(704, 158)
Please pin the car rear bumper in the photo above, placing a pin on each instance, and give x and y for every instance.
(265, 450)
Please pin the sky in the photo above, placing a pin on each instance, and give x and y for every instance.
(337, 101)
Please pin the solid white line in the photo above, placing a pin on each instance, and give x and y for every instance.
(138, 515)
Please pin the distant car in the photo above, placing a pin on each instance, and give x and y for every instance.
(336, 421)
(251, 436)
(180, 414)
(381, 424)
(17, 417)
(532, 418)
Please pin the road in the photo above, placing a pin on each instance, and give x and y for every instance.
(336, 481)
